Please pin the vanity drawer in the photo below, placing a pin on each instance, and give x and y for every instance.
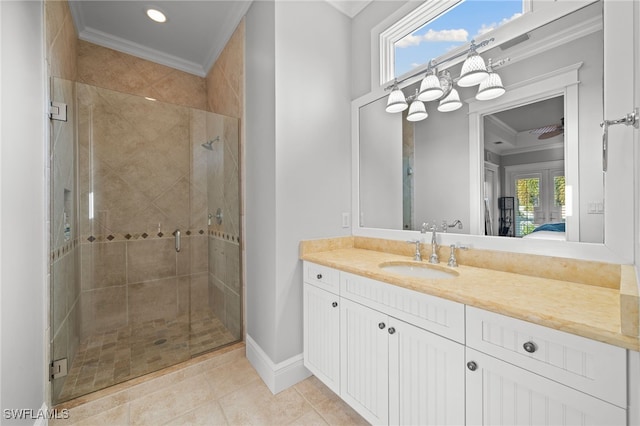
(322, 276)
(430, 313)
(595, 368)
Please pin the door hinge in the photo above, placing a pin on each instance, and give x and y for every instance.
(58, 369)
(58, 111)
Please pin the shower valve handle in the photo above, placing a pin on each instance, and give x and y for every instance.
(177, 236)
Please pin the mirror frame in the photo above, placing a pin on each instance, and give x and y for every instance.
(619, 242)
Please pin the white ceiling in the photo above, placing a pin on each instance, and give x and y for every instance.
(192, 38)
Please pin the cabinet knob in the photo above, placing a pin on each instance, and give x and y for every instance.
(381, 326)
(319, 276)
(392, 330)
(530, 347)
(334, 304)
(471, 365)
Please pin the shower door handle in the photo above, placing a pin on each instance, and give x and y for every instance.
(177, 236)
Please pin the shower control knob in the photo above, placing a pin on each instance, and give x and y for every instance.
(381, 326)
(334, 304)
(392, 330)
(471, 365)
(530, 347)
(319, 276)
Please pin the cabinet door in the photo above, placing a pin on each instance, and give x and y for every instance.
(322, 335)
(364, 374)
(426, 377)
(499, 393)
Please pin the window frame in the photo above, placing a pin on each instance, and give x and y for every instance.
(394, 29)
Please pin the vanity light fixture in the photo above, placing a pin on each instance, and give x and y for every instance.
(439, 86)
(474, 69)
(451, 102)
(491, 87)
(156, 15)
(396, 101)
(417, 110)
(430, 88)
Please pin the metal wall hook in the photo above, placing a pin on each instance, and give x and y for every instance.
(631, 119)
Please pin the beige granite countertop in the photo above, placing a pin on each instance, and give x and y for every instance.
(557, 293)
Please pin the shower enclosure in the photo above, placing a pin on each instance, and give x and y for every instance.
(145, 237)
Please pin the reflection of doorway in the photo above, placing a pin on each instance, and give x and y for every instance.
(527, 144)
(539, 192)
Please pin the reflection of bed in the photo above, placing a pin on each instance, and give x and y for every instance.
(549, 231)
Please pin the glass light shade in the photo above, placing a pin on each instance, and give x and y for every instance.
(417, 111)
(473, 71)
(430, 88)
(490, 88)
(396, 101)
(451, 102)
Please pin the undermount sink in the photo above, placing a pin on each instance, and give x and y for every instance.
(418, 270)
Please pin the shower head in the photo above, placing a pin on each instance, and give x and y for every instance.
(209, 144)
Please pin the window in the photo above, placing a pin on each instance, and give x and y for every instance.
(438, 27)
(539, 196)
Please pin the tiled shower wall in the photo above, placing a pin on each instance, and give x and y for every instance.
(143, 175)
(61, 52)
(224, 229)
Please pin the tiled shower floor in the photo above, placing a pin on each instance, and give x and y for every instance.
(111, 357)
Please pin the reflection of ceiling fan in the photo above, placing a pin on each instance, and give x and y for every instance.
(550, 131)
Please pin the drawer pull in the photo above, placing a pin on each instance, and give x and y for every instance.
(381, 326)
(392, 330)
(530, 347)
(319, 276)
(334, 304)
(471, 365)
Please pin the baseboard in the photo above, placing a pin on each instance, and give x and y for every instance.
(277, 377)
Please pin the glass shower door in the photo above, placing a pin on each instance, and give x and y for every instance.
(154, 262)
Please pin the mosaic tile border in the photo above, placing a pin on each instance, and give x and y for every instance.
(223, 236)
(64, 249)
(114, 237)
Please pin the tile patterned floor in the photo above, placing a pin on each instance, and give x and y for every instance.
(220, 390)
(105, 359)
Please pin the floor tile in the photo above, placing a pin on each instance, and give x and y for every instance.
(254, 404)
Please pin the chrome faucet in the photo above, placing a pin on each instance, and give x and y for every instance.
(434, 243)
(416, 256)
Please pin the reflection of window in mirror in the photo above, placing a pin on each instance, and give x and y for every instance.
(436, 28)
(526, 147)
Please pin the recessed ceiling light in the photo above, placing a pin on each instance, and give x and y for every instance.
(156, 15)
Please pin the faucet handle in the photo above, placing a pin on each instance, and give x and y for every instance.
(416, 256)
(425, 227)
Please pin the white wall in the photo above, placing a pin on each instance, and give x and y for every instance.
(23, 238)
(260, 161)
(380, 167)
(441, 171)
(362, 73)
(298, 157)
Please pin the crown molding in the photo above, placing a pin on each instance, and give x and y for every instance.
(107, 40)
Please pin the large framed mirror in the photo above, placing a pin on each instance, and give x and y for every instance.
(449, 167)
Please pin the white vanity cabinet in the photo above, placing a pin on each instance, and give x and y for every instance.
(322, 324)
(519, 373)
(390, 371)
(399, 356)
